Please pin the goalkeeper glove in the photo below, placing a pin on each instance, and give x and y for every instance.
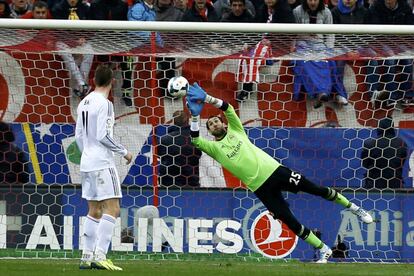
(196, 93)
(195, 107)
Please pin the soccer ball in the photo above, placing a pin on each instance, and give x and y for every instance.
(178, 87)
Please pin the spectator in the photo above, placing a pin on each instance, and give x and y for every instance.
(44, 39)
(179, 158)
(350, 12)
(273, 11)
(397, 81)
(40, 11)
(223, 7)
(144, 10)
(5, 11)
(70, 9)
(108, 10)
(317, 77)
(347, 12)
(166, 11)
(51, 3)
(13, 162)
(19, 7)
(257, 4)
(181, 5)
(390, 12)
(201, 11)
(332, 4)
(115, 10)
(79, 66)
(383, 158)
(237, 13)
(294, 3)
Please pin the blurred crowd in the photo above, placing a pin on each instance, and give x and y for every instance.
(387, 80)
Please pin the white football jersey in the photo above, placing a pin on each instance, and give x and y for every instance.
(94, 132)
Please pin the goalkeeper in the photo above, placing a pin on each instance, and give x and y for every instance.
(262, 174)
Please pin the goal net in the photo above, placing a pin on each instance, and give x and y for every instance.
(334, 103)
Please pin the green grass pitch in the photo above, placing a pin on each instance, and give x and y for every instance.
(52, 267)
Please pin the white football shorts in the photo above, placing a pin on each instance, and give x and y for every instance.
(101, 184)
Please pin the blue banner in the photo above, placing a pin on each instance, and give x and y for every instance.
(327, 156)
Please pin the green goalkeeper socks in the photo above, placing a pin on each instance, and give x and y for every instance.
(314, 241)
(340, 199)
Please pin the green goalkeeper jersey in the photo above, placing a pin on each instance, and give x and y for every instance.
(238, 155)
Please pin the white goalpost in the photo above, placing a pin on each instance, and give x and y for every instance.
(206, 27)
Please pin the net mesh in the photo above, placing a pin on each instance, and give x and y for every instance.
(332, 141)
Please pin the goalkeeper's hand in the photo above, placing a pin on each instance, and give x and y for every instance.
(196, 93)
(195, 107)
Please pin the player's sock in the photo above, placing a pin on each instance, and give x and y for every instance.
(99, 256)
(333, 195)
(314, 240)
(341, 200)
(105, 229)
(89, 237)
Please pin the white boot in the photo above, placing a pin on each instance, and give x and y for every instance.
(341, 100)
(361, 213)
(324, 253)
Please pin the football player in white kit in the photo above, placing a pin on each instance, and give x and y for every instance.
(100, 181)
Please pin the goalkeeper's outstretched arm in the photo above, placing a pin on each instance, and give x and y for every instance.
(195, 107)
(196, 97)
(219, 103)
(195, 116)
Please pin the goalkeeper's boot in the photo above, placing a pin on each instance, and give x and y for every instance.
(242, 96)
(324, 253)
(105, 265)
(361, 213)
(126, 96)
(85, 265)
(84, 90)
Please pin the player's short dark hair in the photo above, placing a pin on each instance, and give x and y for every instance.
(40, 4)
(213, 116)
(103, 76)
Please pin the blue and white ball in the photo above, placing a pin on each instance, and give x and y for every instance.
(178, 87)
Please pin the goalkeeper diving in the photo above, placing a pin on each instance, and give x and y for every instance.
(261, 173)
